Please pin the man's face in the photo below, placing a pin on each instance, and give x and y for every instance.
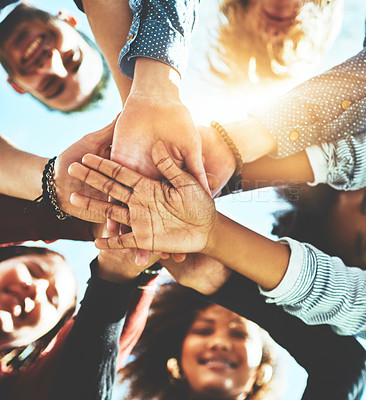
(48, 58)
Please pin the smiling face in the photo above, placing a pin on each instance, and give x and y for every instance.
(221, 354)
(48, 58)
(277, 17)
(347, 227)
(35, 292)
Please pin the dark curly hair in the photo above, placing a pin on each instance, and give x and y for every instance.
(306, 219)
(173, 311)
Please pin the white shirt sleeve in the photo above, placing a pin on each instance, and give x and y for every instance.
(318, 163)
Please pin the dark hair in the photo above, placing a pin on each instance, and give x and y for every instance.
(173, 311)
(306, 218)
(17, 358)
(16, 251)
(240, 53)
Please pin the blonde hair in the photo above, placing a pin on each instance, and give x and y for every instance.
(243, 53)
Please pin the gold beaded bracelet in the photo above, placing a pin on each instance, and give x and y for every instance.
(222, 131)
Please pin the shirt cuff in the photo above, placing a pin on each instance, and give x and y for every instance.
(318, 164)
(292, 274)
(157, 41)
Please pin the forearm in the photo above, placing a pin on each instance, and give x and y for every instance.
(110, 25)
(268, 171)
(37, 223)
(248, 253)
(88, 359)
(155, 79)
(20, 172)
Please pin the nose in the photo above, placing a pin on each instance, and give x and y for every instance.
(41, 287)
(52, 64)
(219, 342)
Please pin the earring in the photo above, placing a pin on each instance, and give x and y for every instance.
(173, 368)
(264, 375)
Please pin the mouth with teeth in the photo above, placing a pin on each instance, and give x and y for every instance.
(218, 363)
(34, 50)
(17, 304)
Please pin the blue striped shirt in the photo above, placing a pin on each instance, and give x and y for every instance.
(341, 164)
(320, 289)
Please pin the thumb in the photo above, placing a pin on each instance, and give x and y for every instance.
(213, 182)
(194, 164)
(165, 164)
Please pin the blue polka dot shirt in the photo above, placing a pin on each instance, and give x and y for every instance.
(161, 29)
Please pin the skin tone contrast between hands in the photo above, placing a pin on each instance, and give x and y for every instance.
(176, 217)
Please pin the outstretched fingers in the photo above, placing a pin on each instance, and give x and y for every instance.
(113, 170)
(101, 209)
(126, 241)
(100, 182)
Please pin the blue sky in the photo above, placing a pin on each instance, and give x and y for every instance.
(32, 128)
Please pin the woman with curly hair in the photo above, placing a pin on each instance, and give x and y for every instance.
(194, 349)
(259, 41)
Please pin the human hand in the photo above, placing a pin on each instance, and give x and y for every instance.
(96, 143)
(219, 159)
(199, 272)
(153, 111)
(173, 217)
(119, 265)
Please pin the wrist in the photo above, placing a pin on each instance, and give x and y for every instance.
(252, 138)
(154, 78)
(213, 237)
(112, 270)
(219, 158)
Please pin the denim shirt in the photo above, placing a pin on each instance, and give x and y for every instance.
(160, 29)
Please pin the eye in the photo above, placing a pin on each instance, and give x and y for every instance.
(239, 334)
(202, 331)
(35, 270)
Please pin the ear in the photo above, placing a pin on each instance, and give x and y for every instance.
(173, 368)
(65, 16)
(16, 87)
(265, 373)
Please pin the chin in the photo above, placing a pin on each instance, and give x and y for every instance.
(213, 390)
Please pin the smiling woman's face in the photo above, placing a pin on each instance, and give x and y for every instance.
(221, 354)
(35, 292)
